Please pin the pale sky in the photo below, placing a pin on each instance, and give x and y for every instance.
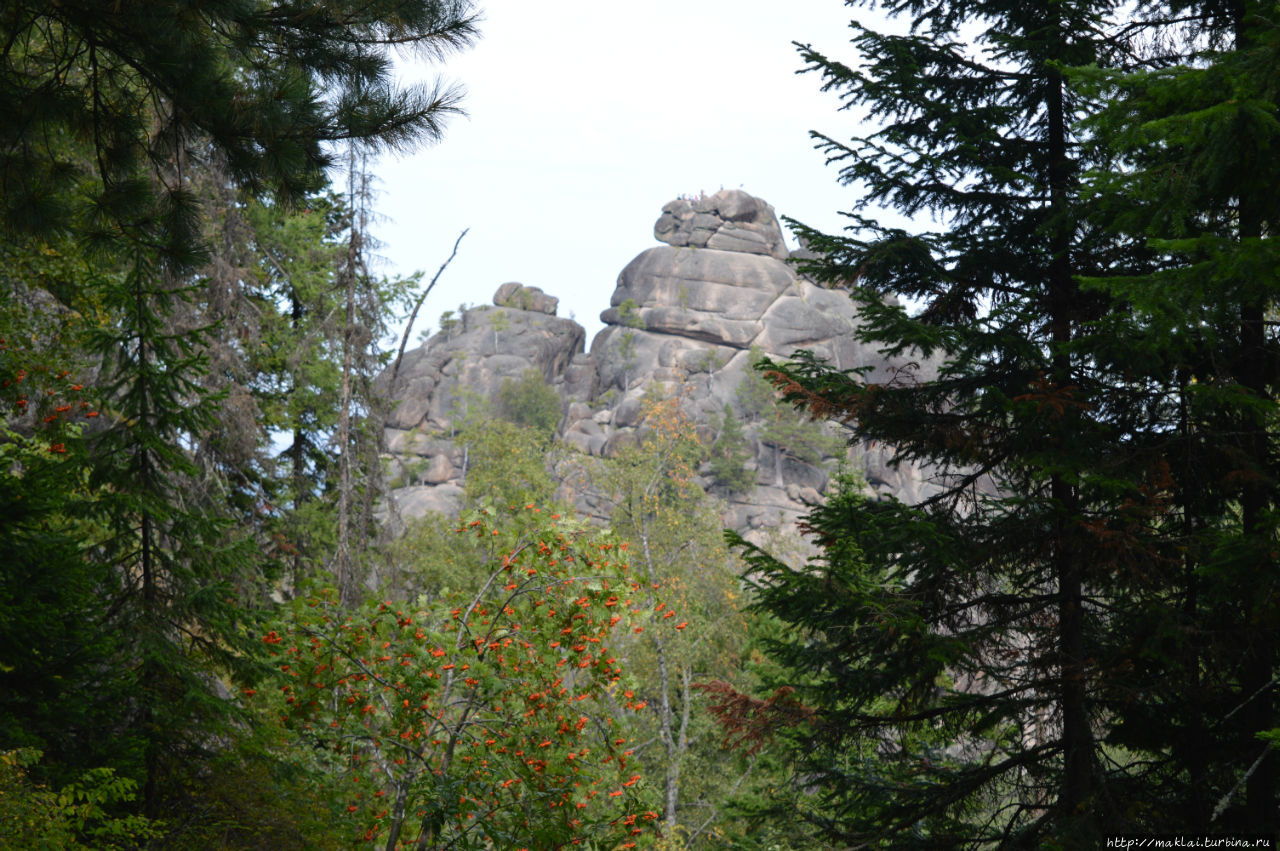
(585, 117)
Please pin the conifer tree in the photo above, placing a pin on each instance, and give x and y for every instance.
(729, 455)
(271, 86)
(297, 255)
(1192, 178)
(952, 652)
(111, 112)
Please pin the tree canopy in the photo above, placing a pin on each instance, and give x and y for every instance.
(141, 144)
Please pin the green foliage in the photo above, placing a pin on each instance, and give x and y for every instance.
(434, 562)
(48, 506)
(83, 96)
(756, 396)
(530, 402)
(693, 626)
(965, 660)
(257, 793)
(729, 455)
(448, 322)
(768, 810)
(141, 469)
(630, 319)
(270, 287)
(499, 321)
(814, 630)
(54, 641)
(1193, 185)
(505, 464)
(629, 314)
(179, 557)
(709, 362)
(34, 817)
(778, 424)
(605, 400)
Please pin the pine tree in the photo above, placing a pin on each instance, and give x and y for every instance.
(269, 86)
(113, 112)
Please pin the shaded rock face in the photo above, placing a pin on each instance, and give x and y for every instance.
(683, 319)
(472, 357)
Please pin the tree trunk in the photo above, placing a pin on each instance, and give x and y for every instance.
(1259, 656)
(666, 725)
(1077, 738)
(1257, 686)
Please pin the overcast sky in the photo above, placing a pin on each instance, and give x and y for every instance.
(585, 117)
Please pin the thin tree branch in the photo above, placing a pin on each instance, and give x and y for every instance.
(413, 317)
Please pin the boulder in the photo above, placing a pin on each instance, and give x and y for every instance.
(487, 346)
(521, 297)
(439, 470)
(420, 500)
(730, 219)
(577, 441)
(727, 284)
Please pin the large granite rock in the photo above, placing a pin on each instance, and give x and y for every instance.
(685, 318)
(730, 220)
(485, 346)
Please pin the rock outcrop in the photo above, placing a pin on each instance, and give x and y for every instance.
(685, 318)
(730, 220)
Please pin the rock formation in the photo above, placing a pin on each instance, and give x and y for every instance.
(685, 318)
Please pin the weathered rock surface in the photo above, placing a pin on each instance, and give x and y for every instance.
(683, 318)
(730, 220)
(519, 296)
(485, 346)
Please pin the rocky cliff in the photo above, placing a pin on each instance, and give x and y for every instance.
(685, 319)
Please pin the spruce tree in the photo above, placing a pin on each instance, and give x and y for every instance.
(729, 455)
(953, 682)
(1192, 180)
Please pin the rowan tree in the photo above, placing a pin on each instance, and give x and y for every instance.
(482, 718)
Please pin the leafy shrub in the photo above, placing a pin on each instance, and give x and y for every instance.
(530, 402)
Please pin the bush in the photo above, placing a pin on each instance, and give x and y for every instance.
(530, 402)
(33, 816)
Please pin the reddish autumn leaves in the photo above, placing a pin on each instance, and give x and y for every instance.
(51, 395)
